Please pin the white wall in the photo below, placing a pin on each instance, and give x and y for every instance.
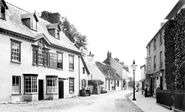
(8, 69)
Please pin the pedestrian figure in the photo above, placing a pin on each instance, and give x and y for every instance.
(145, 90)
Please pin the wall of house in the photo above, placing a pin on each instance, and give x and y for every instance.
(83, 75)
(143, 72)
(156, 52)
(8, 69)
(118, 87)
(119, 69)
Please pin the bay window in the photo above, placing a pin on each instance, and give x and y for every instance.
(40, 55)
(30, 84)
(51, 85)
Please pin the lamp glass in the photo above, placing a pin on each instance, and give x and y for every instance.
(133, 67)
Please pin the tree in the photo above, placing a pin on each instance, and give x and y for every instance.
(74, 36)
(169, 42)
(79, 40)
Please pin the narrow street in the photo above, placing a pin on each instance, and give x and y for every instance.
(115, 101)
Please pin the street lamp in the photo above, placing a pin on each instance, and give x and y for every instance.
(133, 68)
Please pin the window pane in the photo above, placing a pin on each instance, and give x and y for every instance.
(71, 85)
(59, 60)
(16, 85)
(52, 85)
(30, 84)
(15, 51)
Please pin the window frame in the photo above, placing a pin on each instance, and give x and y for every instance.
(19, 85)
(60, 62)
(71, 65)
(161, 58)
(154, 43)
(2, 11)
(45, 56)
(33, 24)
(33, 84)
(53, 86)
(71, 85)
(161, 38)
(149, 49)
(57, 34)
(19, 53)
(154, 62)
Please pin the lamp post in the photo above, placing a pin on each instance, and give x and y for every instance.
(133, 68)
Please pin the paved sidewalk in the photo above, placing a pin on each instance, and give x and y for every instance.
(147, 104)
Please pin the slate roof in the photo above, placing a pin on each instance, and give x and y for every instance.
(13, 23)
(108, 71)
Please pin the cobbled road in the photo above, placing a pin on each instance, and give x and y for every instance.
(114, 101)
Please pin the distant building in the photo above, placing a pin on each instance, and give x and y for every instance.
(120, 69)
(113, 80)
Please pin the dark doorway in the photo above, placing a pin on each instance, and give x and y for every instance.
(41, 90)
(61, 88)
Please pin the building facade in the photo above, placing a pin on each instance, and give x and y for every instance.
(155, 62)
(97, 75)
(38, 61)
(120, 69)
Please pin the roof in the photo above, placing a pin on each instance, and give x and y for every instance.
(157, 33)
(93, 69)
(108, 71)
(142, 66)
(107, 61)
(175, 9)
(126, 68)
(85, 65)
(13, 23)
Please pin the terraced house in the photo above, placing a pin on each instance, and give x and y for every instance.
(37, 60)
(155, 62)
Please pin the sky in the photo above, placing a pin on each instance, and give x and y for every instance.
(123, 27)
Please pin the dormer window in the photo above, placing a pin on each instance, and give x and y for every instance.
(30, 20)
(2, 15)
(3, 8)
(54, 30)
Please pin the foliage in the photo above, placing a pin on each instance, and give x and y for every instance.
(169, 53)
(74, 36)
(175, 52)
(179, 50)
(79, 40)
(95, 82)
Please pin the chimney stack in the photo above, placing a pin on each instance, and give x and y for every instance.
(117, 59)
(90, 58)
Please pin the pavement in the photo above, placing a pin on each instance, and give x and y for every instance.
(148, 104)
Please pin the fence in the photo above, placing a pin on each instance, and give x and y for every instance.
(163, 97)
(179, 101)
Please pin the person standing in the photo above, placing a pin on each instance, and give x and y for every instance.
(145, 90)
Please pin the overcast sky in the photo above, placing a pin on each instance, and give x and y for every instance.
(123, 27)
